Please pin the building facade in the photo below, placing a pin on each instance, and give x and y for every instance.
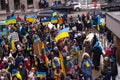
(113, 24)
(16, 4)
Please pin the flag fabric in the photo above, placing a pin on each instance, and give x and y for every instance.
(33, 16)
(12, 43)
(99, 20)
(12, 17)
(102, 20)
(99, 23)
(17, 74)
(45, 22)
(61, 35)
(11, 20)
(44, 53)
(63, 30)
(62, 62)
(29, 19)
(60, 21)
(41, 74)
(54, 20)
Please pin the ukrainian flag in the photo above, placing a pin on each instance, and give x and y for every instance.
(54, 20)
(63, 30)
(12, 45)
(11, 20)
(99, 23)
(45, 22)
(62, 34)
(29, 19)
(32, 18)
(41, 74)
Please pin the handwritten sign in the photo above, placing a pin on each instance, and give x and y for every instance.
(15, 36)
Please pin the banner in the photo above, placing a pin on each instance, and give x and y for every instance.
(37, 48)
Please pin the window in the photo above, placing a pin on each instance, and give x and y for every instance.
(17, 4)
(30, 2)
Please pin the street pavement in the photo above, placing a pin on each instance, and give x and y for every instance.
(3, 13)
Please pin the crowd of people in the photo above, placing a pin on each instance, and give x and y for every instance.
(56, 60)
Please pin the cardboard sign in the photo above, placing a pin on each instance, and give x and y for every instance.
(37, 48)
(15, 36)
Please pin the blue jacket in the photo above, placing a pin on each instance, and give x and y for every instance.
(87, 70)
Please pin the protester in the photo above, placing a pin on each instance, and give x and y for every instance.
(87, 66)
(51, 50)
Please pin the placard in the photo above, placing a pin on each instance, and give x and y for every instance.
(15, 36)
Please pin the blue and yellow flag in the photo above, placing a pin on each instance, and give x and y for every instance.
(12, 45)
(11, 20)
(99, 23)
(62, 34)
(54, 20)
(45, 22)
(63, 30)
(41, 74)
(32, 18)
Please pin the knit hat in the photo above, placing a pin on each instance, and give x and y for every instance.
(5, 59)
(56, 58)
(68, 57)
(14, 71)
(85, 54)
(10, 55)
(106, 58)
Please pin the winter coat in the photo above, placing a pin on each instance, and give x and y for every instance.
(3, 65)
(114, 70)
(87, 67)
(23, 73)
(96, 56)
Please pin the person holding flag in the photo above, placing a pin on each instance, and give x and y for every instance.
(87, 66)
